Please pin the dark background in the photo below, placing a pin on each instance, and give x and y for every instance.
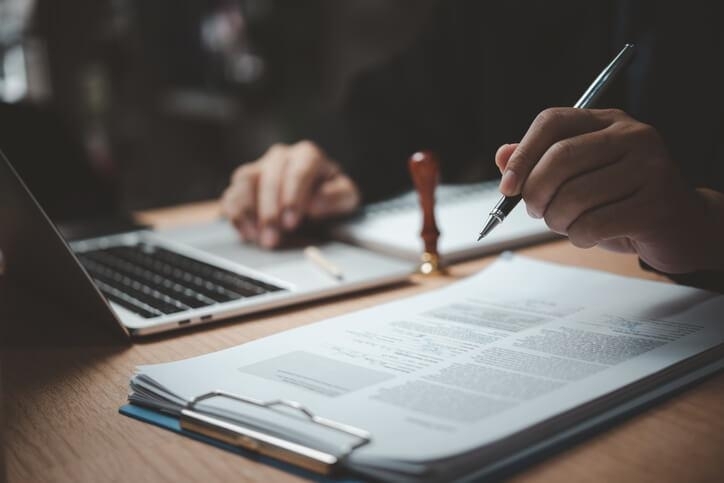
(135, 104)
(145, 103)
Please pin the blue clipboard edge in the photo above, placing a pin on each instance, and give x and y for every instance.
(505, 467)
(171, 423)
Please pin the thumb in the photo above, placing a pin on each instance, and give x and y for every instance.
(503, 155)
(336, 196)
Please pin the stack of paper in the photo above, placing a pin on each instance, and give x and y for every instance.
(467, 379)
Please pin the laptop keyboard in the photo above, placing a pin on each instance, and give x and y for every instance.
(152, 281)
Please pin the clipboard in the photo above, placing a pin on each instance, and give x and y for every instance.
(289, 456)
(505, 466)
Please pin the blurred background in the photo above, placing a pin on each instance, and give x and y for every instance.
(156, 101)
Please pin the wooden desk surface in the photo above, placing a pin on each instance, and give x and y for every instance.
(62, 422)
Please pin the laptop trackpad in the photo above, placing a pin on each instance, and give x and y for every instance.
(220, 239)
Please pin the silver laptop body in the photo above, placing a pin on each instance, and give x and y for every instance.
(154, 281)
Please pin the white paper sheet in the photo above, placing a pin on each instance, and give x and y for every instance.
(444, 372)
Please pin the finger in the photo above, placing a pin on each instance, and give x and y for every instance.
(269, 194)
(246, 170)
(616, 220)
(549, 127)
(307, 167)
(239, 198)
(230, 210)
(337, 196)
(567, 159)
(238, 204)
(502, 156)
(618, 245)
(590, 191)
(229, 203)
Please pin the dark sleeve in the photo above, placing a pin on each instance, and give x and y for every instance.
(705, 279)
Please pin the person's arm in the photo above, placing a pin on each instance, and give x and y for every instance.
(602, 178)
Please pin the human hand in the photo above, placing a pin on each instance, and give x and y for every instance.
(275, 193)
(603, 178)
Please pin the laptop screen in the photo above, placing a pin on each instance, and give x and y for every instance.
(54, 165)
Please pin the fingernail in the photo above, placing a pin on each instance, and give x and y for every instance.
(269, 237)
(290, 219)
(532, 212)
(509, 183)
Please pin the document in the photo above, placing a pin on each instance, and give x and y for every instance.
(393, 226)
(458, 379)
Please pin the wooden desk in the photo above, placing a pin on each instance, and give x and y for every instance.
(62, 422)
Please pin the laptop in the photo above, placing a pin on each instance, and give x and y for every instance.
(146, 281)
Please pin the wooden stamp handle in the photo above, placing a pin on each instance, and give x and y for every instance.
(425, 171)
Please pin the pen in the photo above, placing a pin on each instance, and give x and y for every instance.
(315, 255)
(506, 204)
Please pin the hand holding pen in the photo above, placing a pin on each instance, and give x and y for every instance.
(506, 204)
(602, 178)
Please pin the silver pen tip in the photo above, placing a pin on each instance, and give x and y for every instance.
(492, 223)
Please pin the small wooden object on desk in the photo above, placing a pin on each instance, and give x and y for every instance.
(425, 169)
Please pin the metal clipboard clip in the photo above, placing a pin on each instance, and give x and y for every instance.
(297, 454)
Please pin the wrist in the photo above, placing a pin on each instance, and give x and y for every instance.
(699, 242)
(688, 236)
(711, 229)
